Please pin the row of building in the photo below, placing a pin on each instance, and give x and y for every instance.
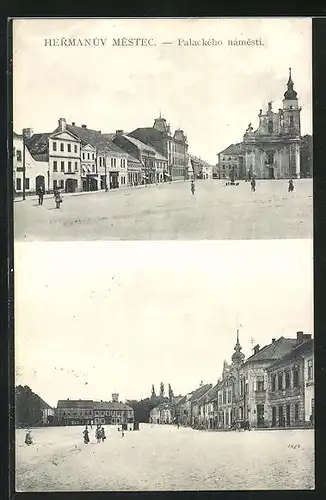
(272, 151)
(77, 158)
(272, 388)
(87, 412)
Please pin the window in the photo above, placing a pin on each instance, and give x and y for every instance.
(62, 146)
(19, 184)
(287, 380)
(100, 161)
(310, 370)
(111, 162)
(295, 377)
(87, 156)
(61, 183)
(83, 156)
(76, 166)
(224, 397)
(54, 146)
(75, 148)
(55, 166)
(19, 155)
(62, 166)
(69, 148)
(270, 127)
(26, 183)
(296, 411)
(280, 381)
(291, 121)
(69, 166)
(93, 168)
(92, 156)
(54, 184)
(260, 384)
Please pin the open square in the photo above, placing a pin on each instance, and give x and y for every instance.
(163, 457)
(170, 212)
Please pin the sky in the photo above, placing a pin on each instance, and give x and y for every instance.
(96, 318)
(212, 93)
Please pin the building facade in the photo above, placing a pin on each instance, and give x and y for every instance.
(201, 169)
(230, 161)
(291, 386)
(74, 412)
(272, 151)
(112, 412)
(173, 147)
(161, 414)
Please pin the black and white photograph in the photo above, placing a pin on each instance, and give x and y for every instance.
(162, 129)
(163, 254)
(138, 377)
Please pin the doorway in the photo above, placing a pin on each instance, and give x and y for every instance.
(288, 415)
(260, 416)
(280, 416)
(71, 185)
(274, 416)
(40, 181)
(271, 173)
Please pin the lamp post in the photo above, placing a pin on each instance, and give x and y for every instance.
(24, 168)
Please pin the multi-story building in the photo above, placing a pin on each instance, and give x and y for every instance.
(291, 386)
(183, 409)
(74, 412)
(135, 171)
(17, 162)
(196, 402)
(173, 147)
(161, 414)
(272, 151)
(112, 412)
(201, 169)
(210, 410)
(253, 397)
(154, 164)
(47, 413)
(230, 162)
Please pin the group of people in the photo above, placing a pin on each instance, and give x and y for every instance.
(99, 434)
(253, 185)
(56, 194)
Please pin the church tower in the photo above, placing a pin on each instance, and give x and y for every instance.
(237, 356)
(291, 110)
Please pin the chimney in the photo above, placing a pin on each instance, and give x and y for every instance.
(115, 398)
(84, 126)
(73, 123)
(67, 399)
(62, 124)
(299, 338)
(273, 340)
(27, 133)
(99, 131)
(119, 132)
(256, 348)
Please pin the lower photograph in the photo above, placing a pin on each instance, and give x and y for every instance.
(169, 366)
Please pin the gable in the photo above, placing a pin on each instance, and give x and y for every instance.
(88, 147)
(66, 135)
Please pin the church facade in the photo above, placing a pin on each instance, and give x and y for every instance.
(272, 151)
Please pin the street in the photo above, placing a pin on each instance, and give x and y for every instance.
(164, 458)
(170, 212)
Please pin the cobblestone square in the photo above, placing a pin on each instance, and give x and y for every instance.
(164, 458)
(170, 212)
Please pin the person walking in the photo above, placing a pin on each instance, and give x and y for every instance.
(86, 435)
(192, 187)
(291, 186)
(28, 438)
(40, 194)
(103, 436)
(57, 197)
(253, 184)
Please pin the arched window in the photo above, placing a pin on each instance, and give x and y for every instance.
(291, 121)
(270, 127)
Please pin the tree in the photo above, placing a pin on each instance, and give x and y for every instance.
(27, 407)
(161, 390)
(170, 393)
(306, 156)
(153, 392)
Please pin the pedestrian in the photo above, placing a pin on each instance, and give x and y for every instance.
(122, 433)
(291, 186)
(253, 184)
(192, 187)
(86, 435)
(57, 197)
(28, 438)
(40, 194)
(98, 433)
(103, 436)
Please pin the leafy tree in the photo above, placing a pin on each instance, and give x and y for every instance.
(161, 390)
(306, 156)
(27, 407)
(170, 393)
(153, 392)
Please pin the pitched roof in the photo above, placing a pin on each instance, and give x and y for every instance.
(17, 136)
(75, 403)
(200, 392)
(89, 136)
(38, 146)
(44, 405)
(142, 146)
(302, 350)
(233, 149)
(148, 135)
(199, 160)
(273, 351)
(111, 405)
(212, 395)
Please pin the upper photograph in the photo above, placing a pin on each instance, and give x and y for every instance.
(162, 129)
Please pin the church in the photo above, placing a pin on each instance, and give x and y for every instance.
(272, 151)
